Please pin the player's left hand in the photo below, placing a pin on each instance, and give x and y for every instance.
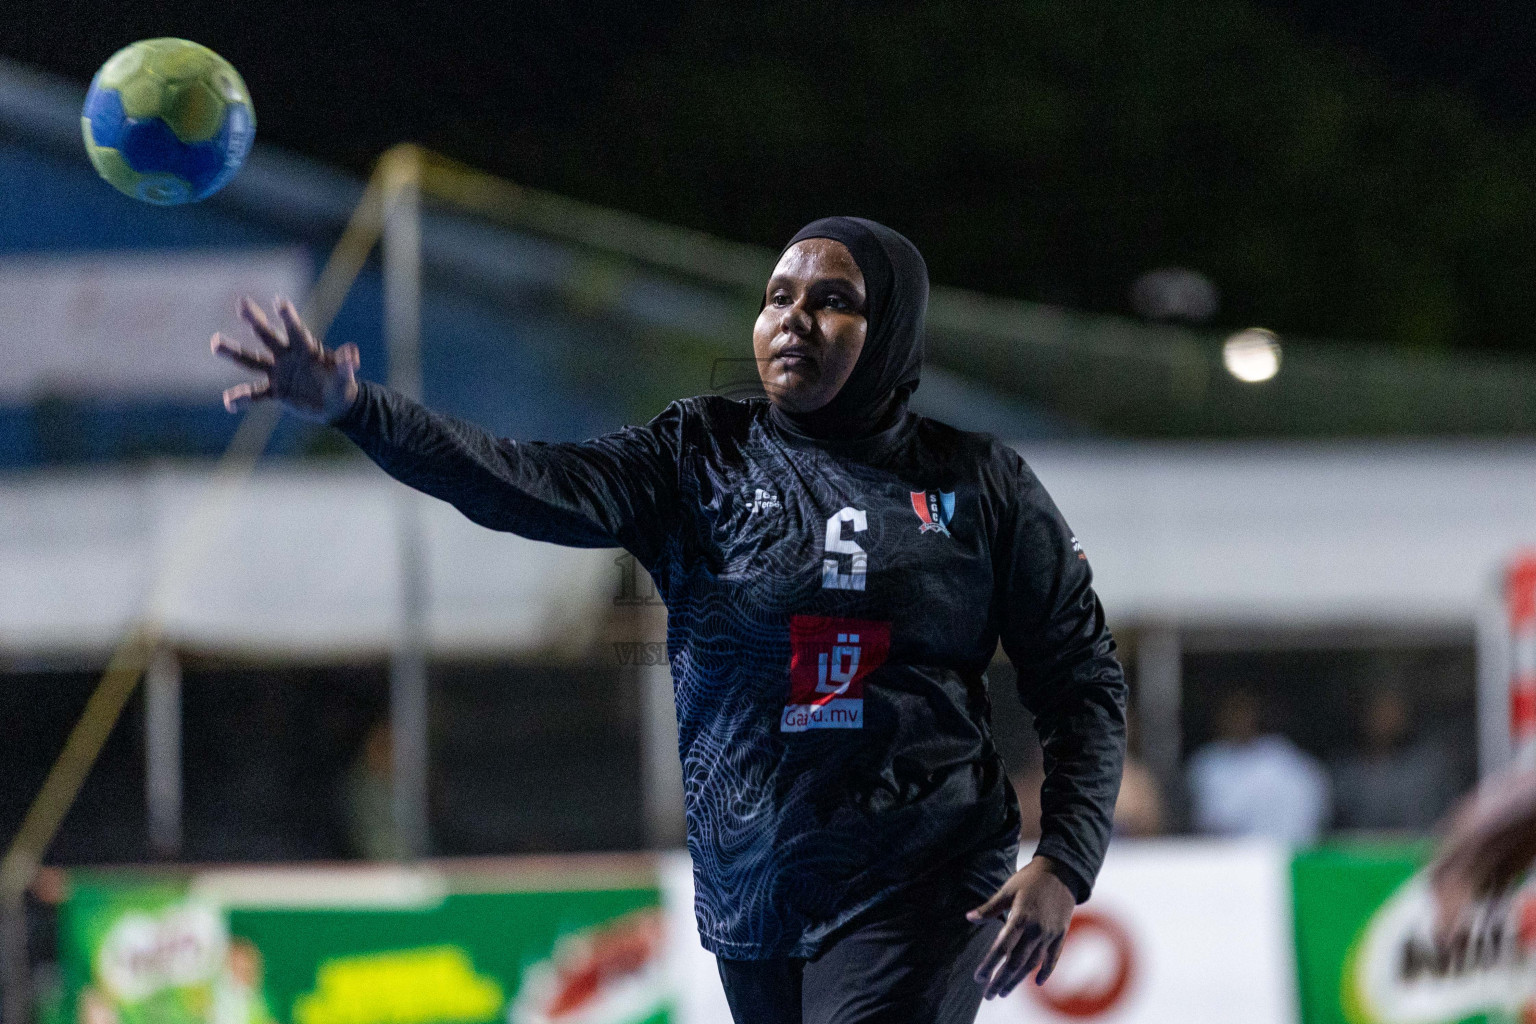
(1035, 907)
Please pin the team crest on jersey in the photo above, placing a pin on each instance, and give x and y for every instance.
(935, 509)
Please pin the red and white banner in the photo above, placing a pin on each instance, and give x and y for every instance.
(1520, 604)
(1192, 931)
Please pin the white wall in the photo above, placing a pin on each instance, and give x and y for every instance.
(131, 323)
(1212, 534)
(303, 563)
(1199, 534)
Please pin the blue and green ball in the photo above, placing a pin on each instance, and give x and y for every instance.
(168, 121)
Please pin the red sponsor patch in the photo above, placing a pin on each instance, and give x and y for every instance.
(829, 660)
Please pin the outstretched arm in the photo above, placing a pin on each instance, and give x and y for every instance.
(613, 491)
(1053, 631)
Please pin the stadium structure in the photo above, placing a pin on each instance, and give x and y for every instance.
(1359, 514)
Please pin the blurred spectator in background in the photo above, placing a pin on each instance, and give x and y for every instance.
(369, 799)
(1249, 781)
(1398, 780)
(1026, 783)
(1138, 809)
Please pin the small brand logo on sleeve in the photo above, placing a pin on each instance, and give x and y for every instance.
(828, 662)
(765, 501)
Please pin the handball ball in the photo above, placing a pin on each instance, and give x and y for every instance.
(167, 121)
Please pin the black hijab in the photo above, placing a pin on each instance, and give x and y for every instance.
(874, 398)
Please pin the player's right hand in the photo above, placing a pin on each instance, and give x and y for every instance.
(1035, 907)
(310, 380)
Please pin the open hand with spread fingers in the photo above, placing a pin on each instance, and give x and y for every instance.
(1036, 908)
(310, 380)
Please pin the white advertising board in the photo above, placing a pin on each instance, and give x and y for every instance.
(1189, 931)
(132, 323)
(1197, 932)
(83, 556)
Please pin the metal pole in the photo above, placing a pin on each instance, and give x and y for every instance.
(401, 245)
(1494, 747)
(665, 826)
(162, 752)
(1159, 706)
(15, 963)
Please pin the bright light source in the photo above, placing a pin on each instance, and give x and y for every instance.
(1252, 356)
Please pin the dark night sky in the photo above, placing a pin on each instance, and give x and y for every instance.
(436, 66)
(594, 100)
(342, 81)
(1482, 47)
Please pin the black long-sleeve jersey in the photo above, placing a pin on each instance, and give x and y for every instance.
(831, 612)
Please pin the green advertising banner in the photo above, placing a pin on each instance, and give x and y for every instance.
(364, 946)
(581, 940)
(1365, 951)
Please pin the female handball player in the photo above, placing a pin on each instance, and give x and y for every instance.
(838, 572)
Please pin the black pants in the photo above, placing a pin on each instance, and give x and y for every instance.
(908, 961)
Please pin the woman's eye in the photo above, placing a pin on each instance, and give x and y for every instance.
(836, 302)
(780, 299)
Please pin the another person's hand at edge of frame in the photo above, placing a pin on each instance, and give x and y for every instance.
(1489, 842)
(313, 382)
(1035, 907)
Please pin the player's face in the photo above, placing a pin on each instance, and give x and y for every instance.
(812, 326)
